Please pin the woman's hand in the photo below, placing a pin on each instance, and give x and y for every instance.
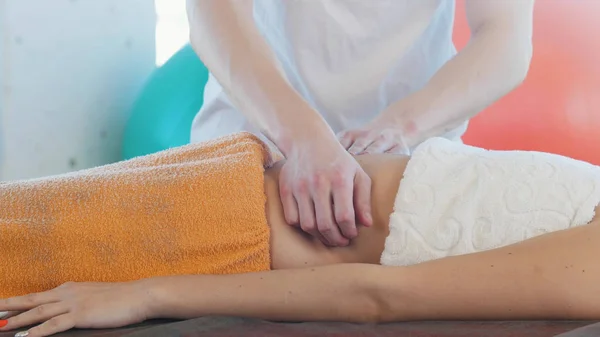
(78, 305)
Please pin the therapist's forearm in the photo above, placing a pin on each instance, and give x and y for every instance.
(493, 63)
(225, 37)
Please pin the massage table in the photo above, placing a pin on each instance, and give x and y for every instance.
(555, 110)
(227, 326)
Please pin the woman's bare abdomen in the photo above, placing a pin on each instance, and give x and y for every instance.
(292, 248)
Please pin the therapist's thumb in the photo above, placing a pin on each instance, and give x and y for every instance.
(362, 198)
(346, 139)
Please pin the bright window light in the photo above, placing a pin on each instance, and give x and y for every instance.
(172, 30)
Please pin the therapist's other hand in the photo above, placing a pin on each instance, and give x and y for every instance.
(324, 190)
(374, 138)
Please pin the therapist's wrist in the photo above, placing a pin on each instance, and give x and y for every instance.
(399, 118)
(301, 145)
(305, 136)
(420, 116)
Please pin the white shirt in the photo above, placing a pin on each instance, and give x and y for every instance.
(350, 59)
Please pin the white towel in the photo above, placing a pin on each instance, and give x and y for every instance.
(456, 199)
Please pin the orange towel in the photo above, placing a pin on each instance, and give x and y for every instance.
(198, 209)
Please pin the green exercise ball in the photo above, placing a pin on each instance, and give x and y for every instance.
(162, 115)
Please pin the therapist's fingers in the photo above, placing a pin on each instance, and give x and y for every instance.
(290, 207)
(360, 144)
(326, 224)
(399, 149)
(343, 206)
(362, 198)
(380, 145)
(307, 216)
(346, 138)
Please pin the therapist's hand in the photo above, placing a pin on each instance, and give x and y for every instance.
(376, 137)
(324, 190)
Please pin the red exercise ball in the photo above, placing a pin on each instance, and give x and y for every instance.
(557, 108)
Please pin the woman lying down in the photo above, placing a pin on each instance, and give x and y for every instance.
(458, 233)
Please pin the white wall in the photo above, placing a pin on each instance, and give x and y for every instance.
(3, 37)
(69, 71)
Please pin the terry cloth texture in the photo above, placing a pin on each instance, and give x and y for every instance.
(197, 209)
(457, 199)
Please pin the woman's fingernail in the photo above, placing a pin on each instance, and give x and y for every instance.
(3, 314)
(22, 334)
(3, 323)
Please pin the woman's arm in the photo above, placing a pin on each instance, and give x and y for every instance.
(348, 292)
(345, 292)
(554, 276)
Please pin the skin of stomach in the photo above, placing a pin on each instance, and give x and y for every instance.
(292, 248)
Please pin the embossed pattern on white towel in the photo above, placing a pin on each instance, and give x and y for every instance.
(456, 199)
